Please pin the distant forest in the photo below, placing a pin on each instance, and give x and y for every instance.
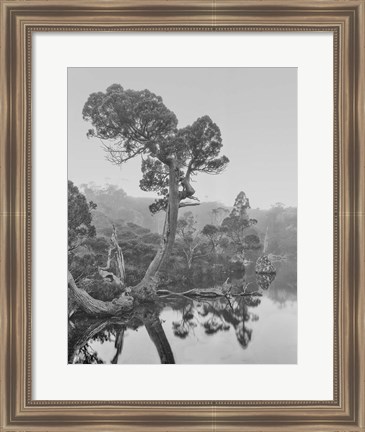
(211, 242)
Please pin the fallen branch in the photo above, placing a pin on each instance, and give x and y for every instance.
(206, 293)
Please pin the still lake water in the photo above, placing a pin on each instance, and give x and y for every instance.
(227, 330)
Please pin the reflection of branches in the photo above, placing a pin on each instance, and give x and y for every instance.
(239, 316)
(87, 356)
(218, 315)
(213, 315)
(214, 321)
(83, 331)
(80, 334)
(119, 339)
(213, 325)
(243, 335)
(182, 328)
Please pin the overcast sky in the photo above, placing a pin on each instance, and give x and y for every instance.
(255, 108)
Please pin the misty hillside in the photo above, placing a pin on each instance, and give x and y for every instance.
(114, 205)
(278, 224)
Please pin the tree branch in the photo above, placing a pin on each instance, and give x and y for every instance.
(189, 204)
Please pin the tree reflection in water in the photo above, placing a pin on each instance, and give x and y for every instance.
(218, 315)
(213, 315)
(84, 330)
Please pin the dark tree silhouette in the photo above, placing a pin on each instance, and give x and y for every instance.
(79, 217)
(236, 224)
(213, 234)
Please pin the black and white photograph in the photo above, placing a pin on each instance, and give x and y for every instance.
(182, 215)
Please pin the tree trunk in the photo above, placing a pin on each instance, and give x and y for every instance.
(119, 340)
(157, 334)
(145, 290)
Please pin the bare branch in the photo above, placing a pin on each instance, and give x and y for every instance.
(114, 251)
(189, 204)
(118, 255)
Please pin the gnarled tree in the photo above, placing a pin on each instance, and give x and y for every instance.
(137, 123)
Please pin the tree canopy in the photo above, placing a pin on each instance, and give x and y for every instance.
(132, 123)
(236, 224)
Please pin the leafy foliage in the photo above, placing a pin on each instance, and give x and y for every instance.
(202, 143)
(236, 224)
(80, 224)
(138, 120)
(213, 253)
(138, 123)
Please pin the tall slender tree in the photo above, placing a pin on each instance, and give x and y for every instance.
(235, 226)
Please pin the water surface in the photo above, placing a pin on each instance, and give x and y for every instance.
(234, 329)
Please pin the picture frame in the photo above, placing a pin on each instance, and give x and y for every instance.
(346, 20)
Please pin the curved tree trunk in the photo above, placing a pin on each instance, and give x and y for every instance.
(92, 306)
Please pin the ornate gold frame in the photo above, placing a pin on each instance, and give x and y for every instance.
(346, 19)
